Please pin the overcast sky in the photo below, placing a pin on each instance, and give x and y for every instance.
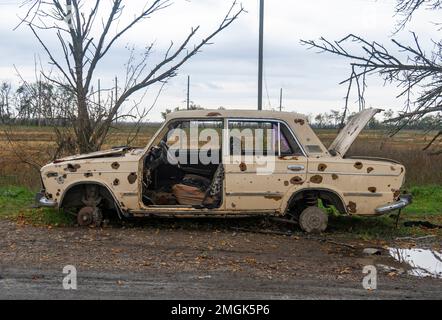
(225, 74)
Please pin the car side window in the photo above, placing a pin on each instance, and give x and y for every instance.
(252, 138)
(261, 138)
(289, 146)
(195, 134)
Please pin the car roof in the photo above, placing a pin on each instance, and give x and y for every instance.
(252, 114)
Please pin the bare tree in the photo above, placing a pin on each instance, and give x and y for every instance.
(75, 23)
(408, 66)
(5, 102)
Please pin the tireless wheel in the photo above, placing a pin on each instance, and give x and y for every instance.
(85, 217)
(313, 220)
(89, 216)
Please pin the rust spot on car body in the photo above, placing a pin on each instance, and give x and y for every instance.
(352, 207)
(316, 179)
(132, 178)
(115, 166)
(301, 122)
(214, 114)
(322, 167)
(359, 165)
(243, 167)
(297, 180)
(273, 197)
(286, 183)
(288, 158)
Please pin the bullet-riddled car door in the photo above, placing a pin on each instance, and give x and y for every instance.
(263, 162)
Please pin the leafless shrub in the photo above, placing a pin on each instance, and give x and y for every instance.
(407, 66)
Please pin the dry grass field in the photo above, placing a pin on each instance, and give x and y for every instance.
(34, 145)
(406, 147)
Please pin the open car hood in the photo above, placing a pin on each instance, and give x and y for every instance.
(348, 135)
(117, 152)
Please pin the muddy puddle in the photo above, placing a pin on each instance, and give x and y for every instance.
(419, 262)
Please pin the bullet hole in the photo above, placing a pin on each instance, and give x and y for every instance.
(396, 193)
(116, 182)
(88, 175)
(393, 168)
(72, 168)
(286, 183)
(335, 176)
(132, 178)
(372, 189)
(52, 174)
(352, 207)
(322, 167)
(233, 205)
(359, 165)
(316, 179)
(115, 166)
(369, 170)
(301, 122)
(243, 167)
(297, 180)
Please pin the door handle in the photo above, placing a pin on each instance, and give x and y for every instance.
(296, 168)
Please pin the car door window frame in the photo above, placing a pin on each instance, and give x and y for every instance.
(227, 135)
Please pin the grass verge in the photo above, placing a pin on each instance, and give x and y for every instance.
(16, 204)
(426, 206)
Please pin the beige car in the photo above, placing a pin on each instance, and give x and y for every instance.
(228, 164)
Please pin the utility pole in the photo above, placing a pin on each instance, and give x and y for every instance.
(116, 98)
(261, 53)
(188, 92)
(280, 101)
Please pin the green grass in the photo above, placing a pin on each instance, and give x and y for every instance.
(426, 200)
(427, 206)
(16, 204)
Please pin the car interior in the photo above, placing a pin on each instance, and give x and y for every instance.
(185, 181)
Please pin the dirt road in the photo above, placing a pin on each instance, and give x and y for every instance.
(195, 260)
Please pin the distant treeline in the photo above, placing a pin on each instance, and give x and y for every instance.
(333, 120)
(43, 104)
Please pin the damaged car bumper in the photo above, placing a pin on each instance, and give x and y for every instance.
(403, 201)
(44, 202)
